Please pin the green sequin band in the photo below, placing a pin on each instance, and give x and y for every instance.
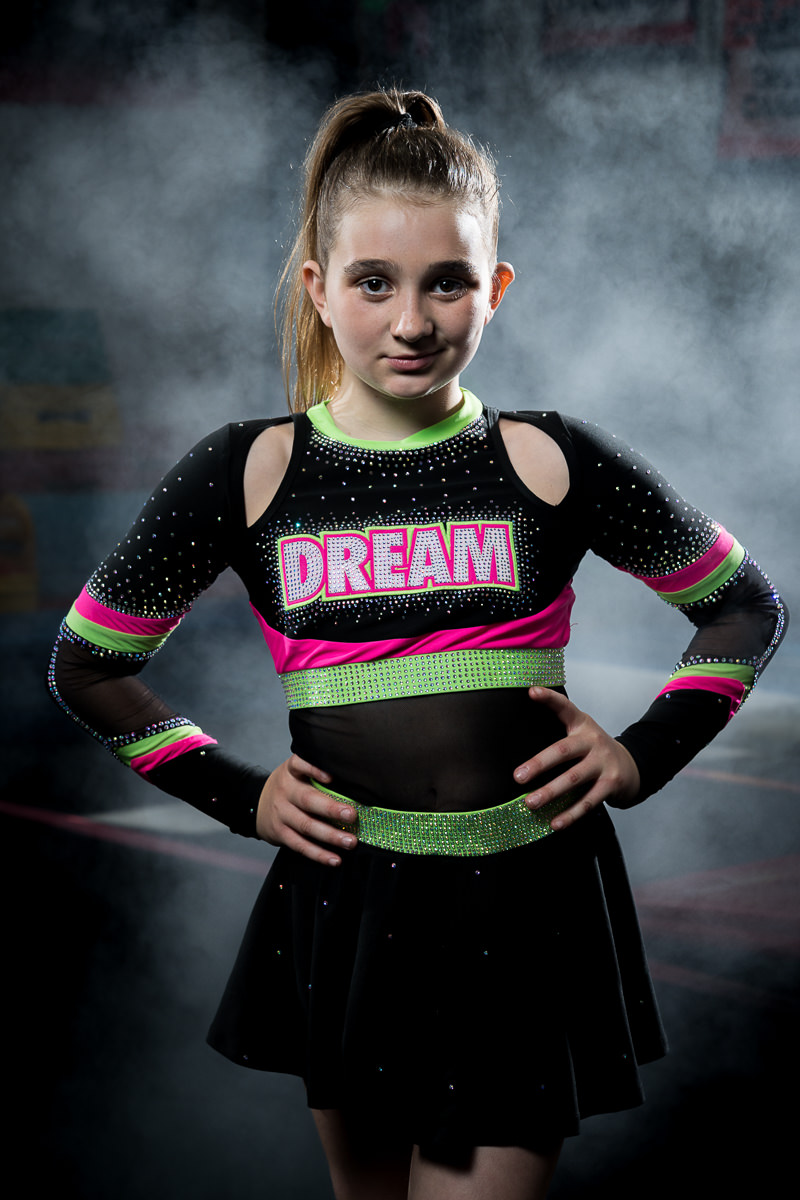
(485, 831)
(423, 675)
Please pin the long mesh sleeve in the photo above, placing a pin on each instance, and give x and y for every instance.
(178, 544)
(641, 525)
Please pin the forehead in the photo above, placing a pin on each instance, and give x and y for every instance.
(416, 231)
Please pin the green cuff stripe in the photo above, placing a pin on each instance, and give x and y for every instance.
(113, 639)
(698, 591)
(156, 741)
(740, 671)
(423, 675)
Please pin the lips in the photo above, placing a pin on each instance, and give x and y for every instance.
(412, 362)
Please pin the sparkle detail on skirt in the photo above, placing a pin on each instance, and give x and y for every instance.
(422, 675)
(458, 834)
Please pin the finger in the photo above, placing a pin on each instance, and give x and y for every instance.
(582, 808)
(294, 813)
(557, 701)
(552, 757)
(314, 838)
(299, 768)
(313, 814)
(308, 826)
(591, 794)
(316, 800)
(572, 781)
(321, 854)
(322, 804)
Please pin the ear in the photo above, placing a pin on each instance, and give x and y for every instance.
(314, 283)
(502, 276)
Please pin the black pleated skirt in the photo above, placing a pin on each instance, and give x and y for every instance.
(490, 1000)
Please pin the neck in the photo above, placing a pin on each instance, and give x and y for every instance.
(386, 419)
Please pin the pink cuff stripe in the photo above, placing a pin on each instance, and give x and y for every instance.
(544, 630)
(146, 762)
(734, 689)
(687, 577)
(108, 618)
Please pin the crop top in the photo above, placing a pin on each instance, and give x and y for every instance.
(409, 594)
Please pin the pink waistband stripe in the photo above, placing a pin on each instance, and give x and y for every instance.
(548, 629)
(109, 618)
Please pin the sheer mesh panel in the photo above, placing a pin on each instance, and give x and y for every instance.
(104, 693)
(444, 753)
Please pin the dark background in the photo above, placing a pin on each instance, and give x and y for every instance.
(150, 156)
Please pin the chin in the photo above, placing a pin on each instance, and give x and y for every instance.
(416, 389)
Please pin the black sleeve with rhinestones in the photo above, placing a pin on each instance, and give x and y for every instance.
(184, 536)
(639, 523)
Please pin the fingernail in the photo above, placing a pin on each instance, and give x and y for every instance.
(347, 814)
(521, 773)
(334, 862)
(534, 801)
(348, 841)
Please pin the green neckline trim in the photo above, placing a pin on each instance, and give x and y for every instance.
(322, 421)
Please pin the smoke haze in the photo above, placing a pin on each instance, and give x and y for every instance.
(656, 294)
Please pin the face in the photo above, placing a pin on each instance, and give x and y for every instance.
(407, 291)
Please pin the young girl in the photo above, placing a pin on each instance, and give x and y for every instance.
(445, 948)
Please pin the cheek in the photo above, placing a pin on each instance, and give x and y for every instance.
(354, 330)
(354, 318)
(475, 321)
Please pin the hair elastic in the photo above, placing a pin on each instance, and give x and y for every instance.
(406, 121)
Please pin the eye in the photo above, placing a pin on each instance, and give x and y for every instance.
(449, 287)
(375, 286)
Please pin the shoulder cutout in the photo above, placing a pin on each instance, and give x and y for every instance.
(265, 468)
(537, 459)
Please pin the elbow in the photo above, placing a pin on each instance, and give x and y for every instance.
(53, 674)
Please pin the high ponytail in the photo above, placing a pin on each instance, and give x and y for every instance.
(379, 141)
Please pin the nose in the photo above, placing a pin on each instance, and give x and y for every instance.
(412, 321)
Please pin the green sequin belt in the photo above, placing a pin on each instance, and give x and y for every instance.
(485, 831)
(423, 675)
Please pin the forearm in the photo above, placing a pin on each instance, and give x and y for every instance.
(217, 783)
(102, 692)
(675, 728)
(738, 631)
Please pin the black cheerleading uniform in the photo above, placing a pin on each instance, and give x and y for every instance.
(409, 594)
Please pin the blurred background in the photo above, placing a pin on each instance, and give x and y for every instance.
(650, 155)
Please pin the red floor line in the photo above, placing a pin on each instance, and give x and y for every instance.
(71, 823)
(717, 985)
(784, 869)
(719, 933)
(755, 781)
(153, 842)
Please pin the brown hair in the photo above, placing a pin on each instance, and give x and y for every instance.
(386, 140)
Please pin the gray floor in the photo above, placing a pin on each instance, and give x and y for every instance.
(124, 910)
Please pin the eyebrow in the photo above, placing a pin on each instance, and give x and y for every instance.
(383, 266)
